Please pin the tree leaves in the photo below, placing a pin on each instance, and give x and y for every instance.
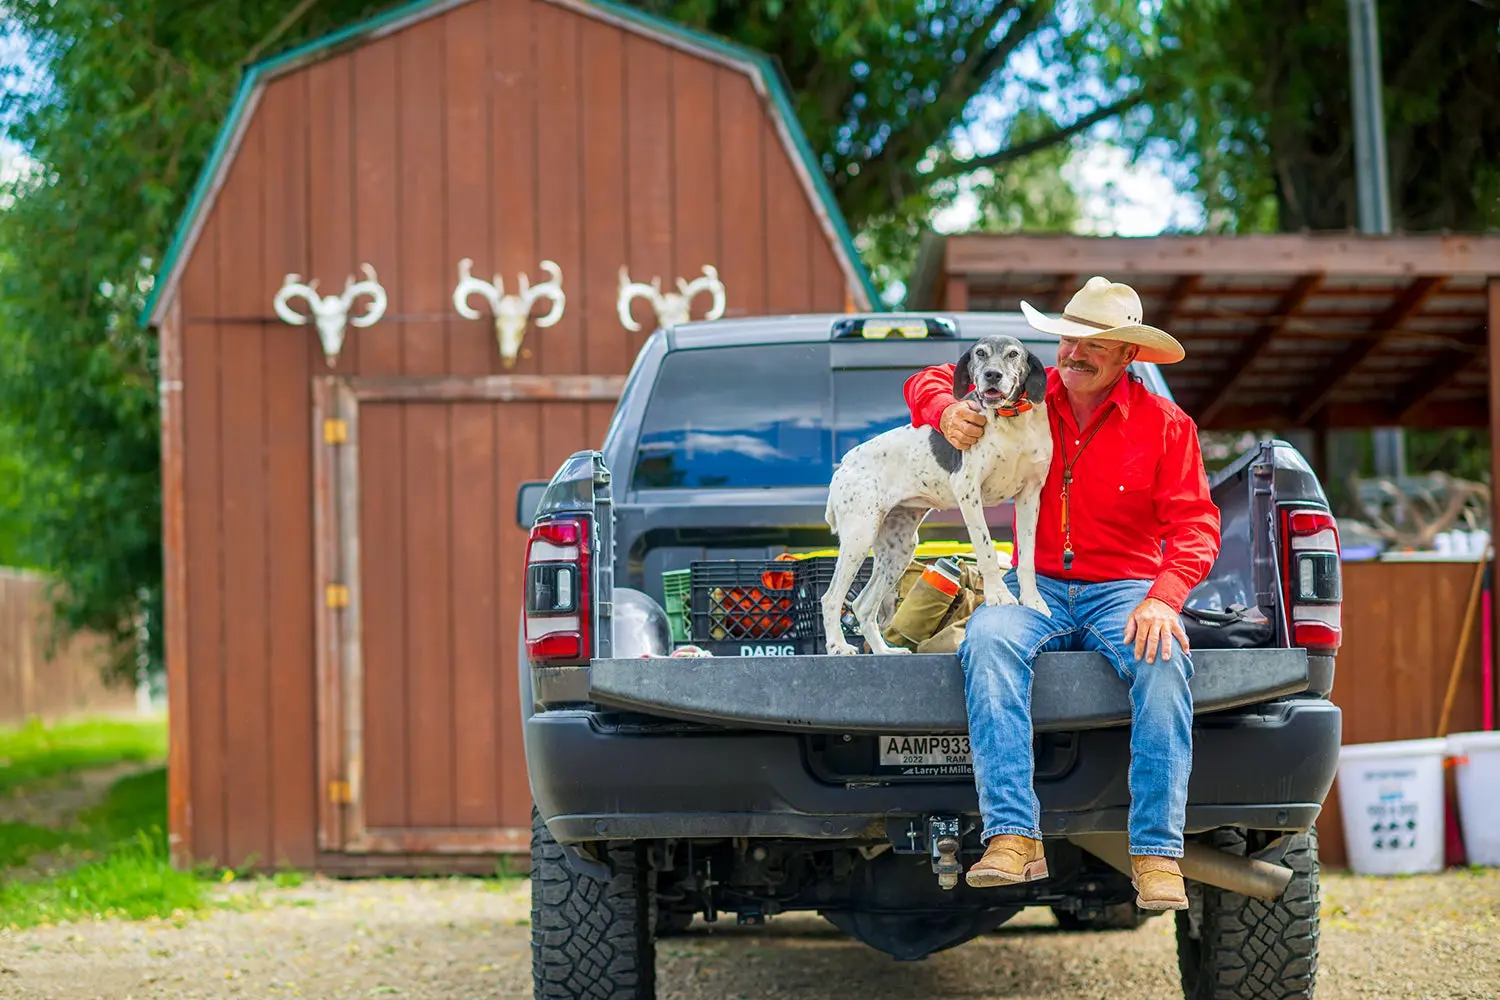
(1268, 128)
(132, 95)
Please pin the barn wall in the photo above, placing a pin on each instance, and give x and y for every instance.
(508, 131)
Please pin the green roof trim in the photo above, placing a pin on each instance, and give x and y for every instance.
(256, 74)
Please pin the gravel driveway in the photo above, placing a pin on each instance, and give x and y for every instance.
(1427, 937)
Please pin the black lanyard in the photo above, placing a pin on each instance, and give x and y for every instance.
(1067, 481)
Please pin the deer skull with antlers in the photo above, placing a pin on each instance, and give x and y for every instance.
(673, 307)
(331, 312)
(511, 312)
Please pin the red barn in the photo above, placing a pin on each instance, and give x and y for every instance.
(343, 566)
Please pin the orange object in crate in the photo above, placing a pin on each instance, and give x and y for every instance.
(779, 579)
(746, 610)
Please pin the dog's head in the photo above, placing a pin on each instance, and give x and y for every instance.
(1000, 369)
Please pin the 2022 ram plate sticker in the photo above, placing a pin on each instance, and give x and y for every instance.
(927, 755)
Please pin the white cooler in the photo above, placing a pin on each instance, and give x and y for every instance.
(1477, 770)
(1391, 797)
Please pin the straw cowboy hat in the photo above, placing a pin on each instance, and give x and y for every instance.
(1107, 310)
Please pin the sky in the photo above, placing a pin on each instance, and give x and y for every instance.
(1118, 198)
(10, 154)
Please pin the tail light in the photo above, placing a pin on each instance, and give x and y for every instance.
(1312, 579)
(557, 593)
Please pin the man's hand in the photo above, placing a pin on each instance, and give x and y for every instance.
(1152, 625)
(962, 423)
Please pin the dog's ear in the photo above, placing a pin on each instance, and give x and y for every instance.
(1036, 378)
(961, 380)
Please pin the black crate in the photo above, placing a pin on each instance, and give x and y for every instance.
(756, 602)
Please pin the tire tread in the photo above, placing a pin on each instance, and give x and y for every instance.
(590, 940)
(1249, 948)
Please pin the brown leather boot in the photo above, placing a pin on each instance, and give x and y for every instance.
(1008, 859)
(1158, 883)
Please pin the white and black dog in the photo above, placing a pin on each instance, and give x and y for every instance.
(884, 488)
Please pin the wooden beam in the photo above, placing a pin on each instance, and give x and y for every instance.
(174, 586)
(443, 840)
(956, 293)
(1291, 301)
(1427, 381)
(489, 388)
(1348, 415)
(1182, 290)
(1067, 285)
(1327, 381)
(1122, 257)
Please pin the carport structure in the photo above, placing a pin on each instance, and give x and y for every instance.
(1282, 332)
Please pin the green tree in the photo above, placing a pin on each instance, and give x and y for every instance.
(118, 118)
(1256, 96)
(14, 530)
(131, 93)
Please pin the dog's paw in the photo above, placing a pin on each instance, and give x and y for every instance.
(1035, 603)
(999, 596)
(841, 649)
(897, 650)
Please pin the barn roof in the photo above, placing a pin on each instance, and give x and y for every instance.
(763, 72)
(1281, 331)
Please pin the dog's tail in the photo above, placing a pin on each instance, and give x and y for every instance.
(830, 516)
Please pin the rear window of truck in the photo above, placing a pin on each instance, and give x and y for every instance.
(760, 416)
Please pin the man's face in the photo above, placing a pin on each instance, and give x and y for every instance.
(1088, 366)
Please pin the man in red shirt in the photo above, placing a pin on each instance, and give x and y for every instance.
(1126, 531)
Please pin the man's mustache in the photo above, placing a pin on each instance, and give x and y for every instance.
(1081, 366)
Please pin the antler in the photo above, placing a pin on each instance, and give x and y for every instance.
(1414, 513)
(548, 289)
(709, 282)
(468, 285)
(371, 287)
(630, 291)
(292, 286)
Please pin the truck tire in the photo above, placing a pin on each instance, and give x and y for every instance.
(590, 939)
(1119, 917)
(1231, 946)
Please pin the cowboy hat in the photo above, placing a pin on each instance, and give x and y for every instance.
(1107, 310)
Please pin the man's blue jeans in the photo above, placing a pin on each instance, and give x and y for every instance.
(1001, 643)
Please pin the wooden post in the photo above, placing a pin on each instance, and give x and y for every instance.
(174, 587)
(1493, 366)
(956, 295)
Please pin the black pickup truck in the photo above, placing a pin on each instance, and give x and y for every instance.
(775, 779)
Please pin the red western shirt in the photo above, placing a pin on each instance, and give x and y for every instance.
(1139, 502)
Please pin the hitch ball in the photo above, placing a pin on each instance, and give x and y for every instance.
(943, 834)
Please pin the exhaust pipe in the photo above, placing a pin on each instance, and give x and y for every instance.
(1209, 865)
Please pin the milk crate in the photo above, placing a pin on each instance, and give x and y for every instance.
(755, 603)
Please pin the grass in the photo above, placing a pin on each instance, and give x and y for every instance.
(36, 752)
(111, 860)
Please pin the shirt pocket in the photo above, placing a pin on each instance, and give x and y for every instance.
(1133, 481)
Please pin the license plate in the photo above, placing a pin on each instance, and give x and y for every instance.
(928, 754)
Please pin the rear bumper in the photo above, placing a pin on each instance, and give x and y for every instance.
(593, 779)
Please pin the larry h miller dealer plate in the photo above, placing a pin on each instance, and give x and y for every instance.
(933, 754)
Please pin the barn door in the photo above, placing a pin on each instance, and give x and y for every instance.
(419, 563)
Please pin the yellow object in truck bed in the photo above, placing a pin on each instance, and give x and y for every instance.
(925, 550)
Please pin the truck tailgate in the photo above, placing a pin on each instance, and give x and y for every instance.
(922, 693)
